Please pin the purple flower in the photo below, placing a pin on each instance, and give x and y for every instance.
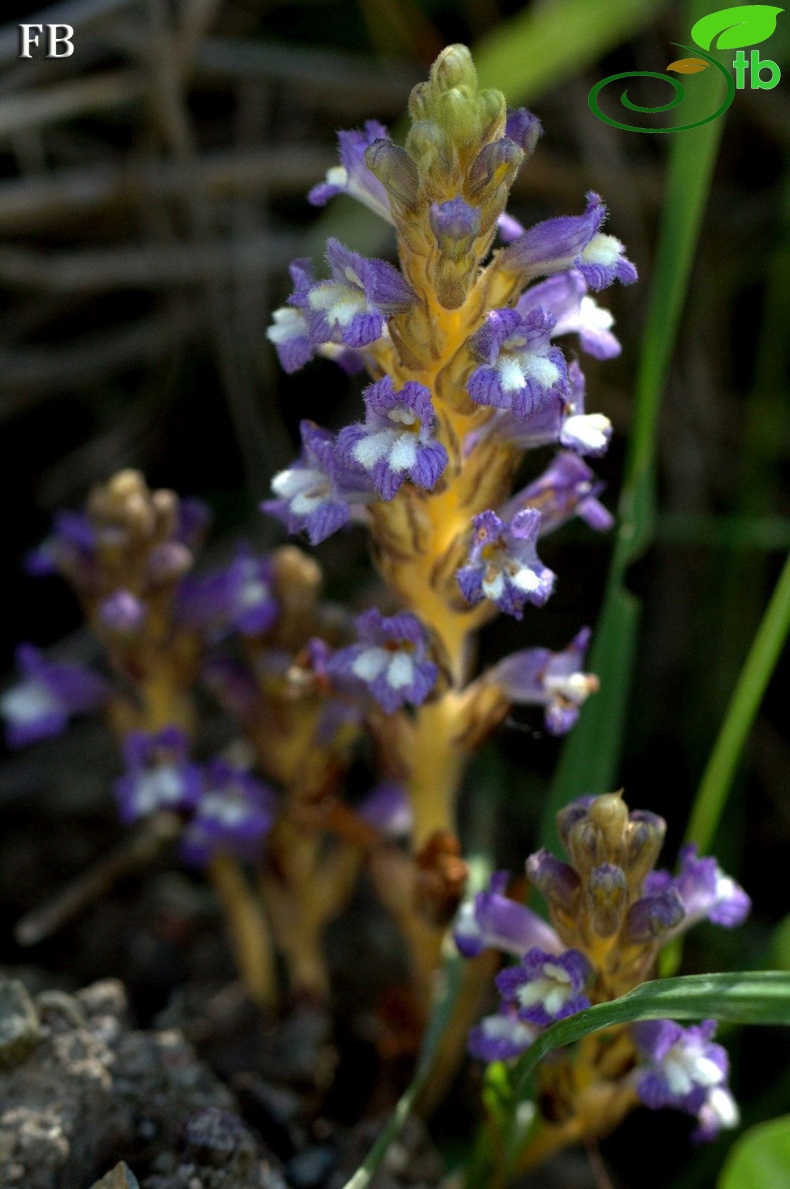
(70, 547)
(685, 1069)
(240, 596)
(233, 814)
(158, 774)
(539, 677)
(352, 176)
(520, 368)
(351, 307)
(558, 245)
(503, 563)
(317, 492)
(396, 439)
(387, 809)
(492, 920)
(48, 695)
(501, 1036)
(562, 419)
(704, 890)
(565, 296)
(389, 661)
(567, 488)
(546, 987)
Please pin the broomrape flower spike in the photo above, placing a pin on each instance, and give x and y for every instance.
(610, 913)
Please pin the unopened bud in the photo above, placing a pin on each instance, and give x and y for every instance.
(651, 916)
(454, 68)
(644, 838)
(607, 897)
(168, 562)
(494, 166)
(395, 170)
(556, 881)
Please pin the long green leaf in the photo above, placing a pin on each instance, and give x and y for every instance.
(591, 755)
(546, 43)
(761, 997)
(743, 707)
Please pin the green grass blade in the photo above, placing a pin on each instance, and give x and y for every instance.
(591, 755)
(452, 975)
(745, 702)
(545, 44)
(759, 997)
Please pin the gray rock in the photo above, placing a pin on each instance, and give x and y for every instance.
(19, 1024)
(93, 1090)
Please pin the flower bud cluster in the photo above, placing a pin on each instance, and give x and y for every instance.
(610, 911)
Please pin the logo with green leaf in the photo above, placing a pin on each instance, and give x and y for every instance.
(745, 25)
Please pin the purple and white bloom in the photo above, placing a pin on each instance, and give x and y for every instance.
(685, 1069)
(556, 680)
(317, 492)
(240, 597)
(396, 440)
(706, 892)
(122, 612)
(501, 1036)
(546, 987)
(520, 369)
(557, 245)
(504, 565)
(567, 488)
(389, 660)
(351, 307)
(233, 815)
(561, 420)
(565, 295)
(49, 694)
(158, 774)
(352, 176)
(290, 335)
(491, 920)
(388, 810)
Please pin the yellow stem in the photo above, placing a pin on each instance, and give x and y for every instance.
(436, 768)
(248, 930)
